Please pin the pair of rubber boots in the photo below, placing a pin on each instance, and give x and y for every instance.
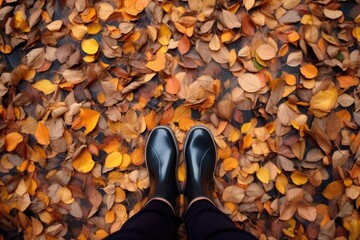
(162, 155)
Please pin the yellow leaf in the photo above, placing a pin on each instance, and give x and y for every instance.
(93, 28)
(65, 195)
(42, 134)
(164, 35)
(230, 163)
(84, 162)
(12, 140)
(120, 195)
(158, 63)
(356, 33)
(45, 86)
(281, 183)
(354, 229)
(110, 216)
(324, 100)
(126, 160)
(90, 46)
(114, 159)
(299, 178)
(89, 119)
(309, 71)
(263, 175)
(79, 31)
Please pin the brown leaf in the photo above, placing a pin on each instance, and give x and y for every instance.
(233, 194)
(333, 190)
(230, 20)
(307, 212)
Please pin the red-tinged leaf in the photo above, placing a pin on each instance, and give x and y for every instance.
(248, 26)
(172, 85)
(184, 45)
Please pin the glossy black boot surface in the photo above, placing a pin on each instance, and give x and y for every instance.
(200, 156)
(161, 157)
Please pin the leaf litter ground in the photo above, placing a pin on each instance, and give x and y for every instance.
(82, 84)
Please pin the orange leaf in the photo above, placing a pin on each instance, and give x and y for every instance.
(230, 163)
(346, 81)
(299, 178)
(158, 63)
(309, 71)
(42, 134)
(151, 120)
(84, 162)
(172, 85)
(184, 45)
(12, 140)
(89, 119)
(333, 190)
(137, 156)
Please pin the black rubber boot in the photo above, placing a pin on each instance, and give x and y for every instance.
(161, 157)
(200, 156)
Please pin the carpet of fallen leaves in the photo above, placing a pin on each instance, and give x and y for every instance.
(83, 82)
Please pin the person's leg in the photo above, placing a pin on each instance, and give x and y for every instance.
(155, 221)
(205, 221)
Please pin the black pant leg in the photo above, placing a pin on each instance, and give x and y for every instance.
(205, 222)
(156, 221)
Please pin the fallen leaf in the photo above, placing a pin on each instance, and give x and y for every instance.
(158, 63)
(164, 35)
(233, 194)
(114, 159)
(307, 212)
(299, 178)
(89, 119)
(263, 175)
(42, 134)
(89, 46)
(324, 100)
(45, 86)
(84, 162)
(249, 82)
(309, 71)
(333, 190)
(266, 52)
(12, 140)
